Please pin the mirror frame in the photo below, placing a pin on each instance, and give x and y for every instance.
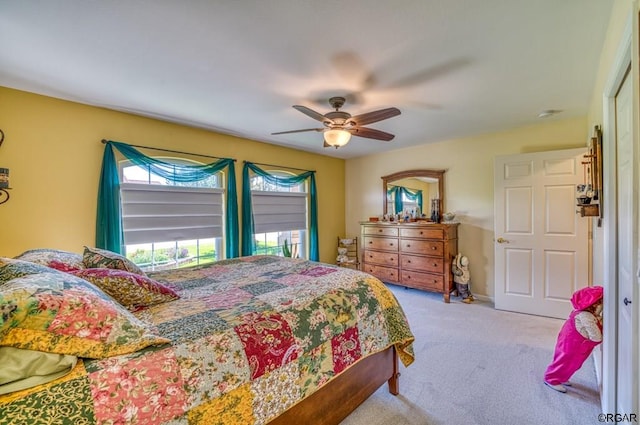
(434, 174)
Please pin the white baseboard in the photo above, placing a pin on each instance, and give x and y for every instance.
(484, 298)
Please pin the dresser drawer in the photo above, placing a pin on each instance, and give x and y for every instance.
(431, 282)
(382, 258)
(381, 230)
(387, 244)
(422, 232)
(425, 247)
(385, 274)
(426, 264)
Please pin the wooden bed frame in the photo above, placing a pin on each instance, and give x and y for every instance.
(342, 395)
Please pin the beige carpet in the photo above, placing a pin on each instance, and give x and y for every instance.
(479, 366)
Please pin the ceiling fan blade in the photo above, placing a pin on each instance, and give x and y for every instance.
(436, 71)
(375, 116)
(298, 131)
(370, 133)
(311, 113)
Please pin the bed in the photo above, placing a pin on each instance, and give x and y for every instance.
(253, 340)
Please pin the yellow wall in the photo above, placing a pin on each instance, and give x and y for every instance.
(468, 182)
(52, 148)
(620, 18)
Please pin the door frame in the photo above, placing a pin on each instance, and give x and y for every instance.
(621, 65)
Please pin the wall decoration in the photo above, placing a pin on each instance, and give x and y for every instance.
(589, 194)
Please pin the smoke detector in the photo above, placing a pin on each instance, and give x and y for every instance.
(548, 112)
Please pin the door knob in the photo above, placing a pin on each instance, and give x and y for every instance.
(626, 301)
(502, 240)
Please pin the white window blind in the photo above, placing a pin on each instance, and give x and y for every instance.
(159, 213)
(409, 205)
(279, 211)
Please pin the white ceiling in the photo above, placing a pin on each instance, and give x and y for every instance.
(453, 67)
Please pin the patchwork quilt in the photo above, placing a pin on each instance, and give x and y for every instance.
(250, 337)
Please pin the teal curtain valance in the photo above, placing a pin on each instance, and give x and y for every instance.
(248, 241)
(397, 199)
(399, 193)
(109, 217)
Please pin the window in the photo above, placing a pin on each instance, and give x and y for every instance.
(409, 204)
(410, 201)
(279, 215)
(168, 224)
(391, 202)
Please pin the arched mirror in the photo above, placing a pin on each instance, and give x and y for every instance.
(414, 190)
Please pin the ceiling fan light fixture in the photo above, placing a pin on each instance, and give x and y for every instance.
(339, 126)
(337, 137)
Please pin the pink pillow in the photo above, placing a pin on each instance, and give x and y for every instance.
(132, 290)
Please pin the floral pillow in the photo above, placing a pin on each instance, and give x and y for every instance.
(54, 258)
(132, 290)
(96, 258)
(56, 312)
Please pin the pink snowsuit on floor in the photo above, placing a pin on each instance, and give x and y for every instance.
(572, 349)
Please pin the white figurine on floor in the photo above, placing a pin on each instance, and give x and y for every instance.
(461, 277)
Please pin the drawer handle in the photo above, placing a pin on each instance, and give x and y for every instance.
(380, 230)
(391, 258)
(435, 264)
(408, 245)
(390, 243)
(434, 248)
(370, 242)
(421, 232)
(408, 261)
(408, 276)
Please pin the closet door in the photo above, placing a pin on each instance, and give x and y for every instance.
(627, 242)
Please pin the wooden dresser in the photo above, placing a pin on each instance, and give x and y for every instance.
(416, 255)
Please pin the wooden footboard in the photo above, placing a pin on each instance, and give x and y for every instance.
(341, 396)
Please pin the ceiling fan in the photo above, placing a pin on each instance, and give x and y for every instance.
(339, 126)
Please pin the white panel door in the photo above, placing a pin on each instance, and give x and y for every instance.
(626, 247)
(540, 242)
